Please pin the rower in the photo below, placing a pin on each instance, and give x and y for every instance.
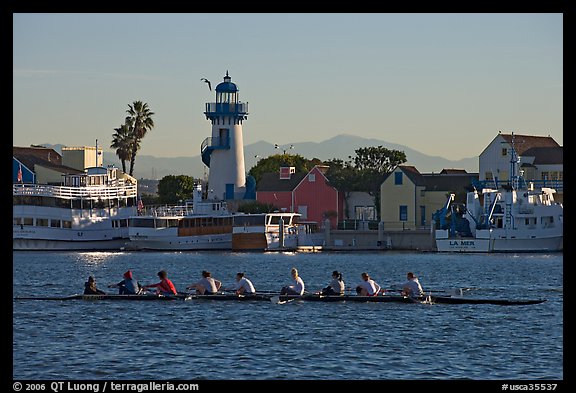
(295, 289)
(207, 285)
(90, 287)
(368, 287)
(243, 286)
(128, 286)
(412, 287)
(336, 286)
(165, 286)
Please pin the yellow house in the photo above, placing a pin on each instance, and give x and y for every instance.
(408, 198)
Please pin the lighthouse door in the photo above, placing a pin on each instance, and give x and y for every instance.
(229, 191)
(224, 137)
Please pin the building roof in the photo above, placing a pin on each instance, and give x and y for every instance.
(546, 155)
(522, 143)
(271, 182)
(44, 153)
(452, 171)
(48, 158)
(449, 182)
(413, 174)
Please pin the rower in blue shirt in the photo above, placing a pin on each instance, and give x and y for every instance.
(128, 286)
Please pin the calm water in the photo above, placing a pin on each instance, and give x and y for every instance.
(314, 341)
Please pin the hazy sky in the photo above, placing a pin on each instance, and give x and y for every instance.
(442, 84)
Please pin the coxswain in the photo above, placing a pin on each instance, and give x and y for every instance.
(90, 287)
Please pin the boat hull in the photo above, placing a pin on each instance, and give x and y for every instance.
(63, 245)
(180, 243)
(288, 298)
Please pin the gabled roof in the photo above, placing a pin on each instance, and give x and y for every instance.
(546, 155)
(522, 143)
(412, 174)
(272, 182)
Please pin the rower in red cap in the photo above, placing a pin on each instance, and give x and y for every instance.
(128, 286)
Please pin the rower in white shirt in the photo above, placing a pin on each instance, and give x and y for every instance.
(368, 287)
(412, 287)
(243, 286)
(295, 289)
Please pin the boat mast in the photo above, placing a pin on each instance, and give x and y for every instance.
(514, 165)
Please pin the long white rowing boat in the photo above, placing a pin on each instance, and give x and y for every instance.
(430, 299)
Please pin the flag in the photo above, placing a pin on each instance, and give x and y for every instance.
(140, 205)
(20, 173)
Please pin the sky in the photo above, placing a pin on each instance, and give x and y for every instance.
(441, 84)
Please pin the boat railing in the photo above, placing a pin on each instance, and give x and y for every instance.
(558, 185)
(65, 192)
(168, 211)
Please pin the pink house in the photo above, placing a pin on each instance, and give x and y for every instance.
(306, 193)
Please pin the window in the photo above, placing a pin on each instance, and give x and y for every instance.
(364, 213)
(403, 213)
(489, 176)
(55, 223)
(42, 222)
(303, 210)
(504, 152)
(312, 177)
(398, 178)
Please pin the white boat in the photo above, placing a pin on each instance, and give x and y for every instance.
(89, 211)
(273, 231)
(201, 225)
(501, 220)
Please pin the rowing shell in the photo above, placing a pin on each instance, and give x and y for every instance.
(310, 297)
(108, 297)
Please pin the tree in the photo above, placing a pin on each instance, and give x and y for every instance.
(273, 164)
(174, 189)
(122, 142)
(364, 172)
(139, 121)
(378, 159)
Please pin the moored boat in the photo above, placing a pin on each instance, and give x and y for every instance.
(89, 211)
(275, 231)
(201, 225)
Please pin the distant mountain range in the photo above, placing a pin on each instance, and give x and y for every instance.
(341, 147)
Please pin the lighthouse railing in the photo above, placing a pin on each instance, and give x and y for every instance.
(215, 142)
(227, 108)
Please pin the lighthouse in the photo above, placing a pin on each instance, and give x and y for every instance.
(223, 152)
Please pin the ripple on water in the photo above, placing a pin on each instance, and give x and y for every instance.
(197, 340)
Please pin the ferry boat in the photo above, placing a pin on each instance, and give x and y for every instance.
(501, 220)
(89, 211)
(201, 225)
(277, 231)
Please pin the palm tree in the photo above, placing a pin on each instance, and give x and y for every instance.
(139, 122)
(122, 142)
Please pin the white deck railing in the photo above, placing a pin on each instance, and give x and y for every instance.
(64, 192)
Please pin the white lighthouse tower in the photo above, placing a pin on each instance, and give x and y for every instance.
(223, 152)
